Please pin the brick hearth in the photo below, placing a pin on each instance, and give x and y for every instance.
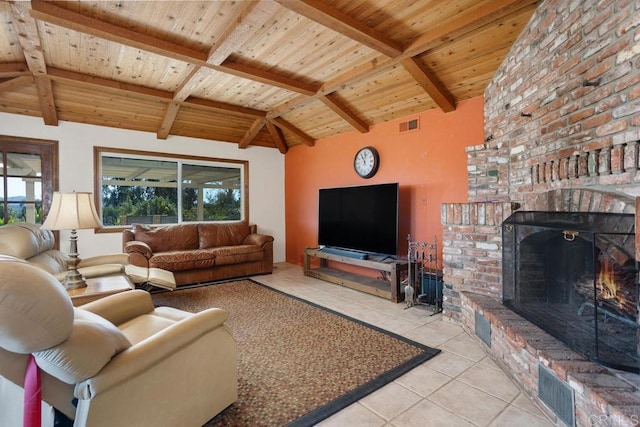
(601, 397)
(562, 126)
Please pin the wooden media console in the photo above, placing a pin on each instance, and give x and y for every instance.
(388, 286)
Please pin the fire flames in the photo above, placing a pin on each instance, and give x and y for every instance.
(606, 283)
(614, 289)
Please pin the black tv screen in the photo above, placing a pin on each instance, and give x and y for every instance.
(363, 218)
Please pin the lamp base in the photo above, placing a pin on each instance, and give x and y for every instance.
(74, 280)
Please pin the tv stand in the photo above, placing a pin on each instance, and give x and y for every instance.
(386, 286)
(344, 252)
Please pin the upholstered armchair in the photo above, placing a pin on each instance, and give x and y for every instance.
(30, 242)
(117, 361)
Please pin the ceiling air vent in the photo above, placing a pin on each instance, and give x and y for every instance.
(409, 126)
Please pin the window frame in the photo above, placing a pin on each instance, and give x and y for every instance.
(99, 151)
(48, 151)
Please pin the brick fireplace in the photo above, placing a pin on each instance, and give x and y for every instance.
(574, 274)
(562, 127)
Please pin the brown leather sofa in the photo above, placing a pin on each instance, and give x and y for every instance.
(200, 252)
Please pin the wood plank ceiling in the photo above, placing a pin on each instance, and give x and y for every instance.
(272, 73)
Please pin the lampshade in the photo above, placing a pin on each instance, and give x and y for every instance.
(72, 211)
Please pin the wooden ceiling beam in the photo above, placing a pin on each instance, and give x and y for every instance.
(72, 76)
(343, 111)
(155, 94)
(284, 125)
(278, 137)
(14, 69)
(251, 134)
(249, 72)
(27, 31)
(436, 90)
(251, 16)
(168, 120)
(14, 83)
(323, 13)
(180, 95)
(464, 22)
(46, 100)
(190, 83)
(48, 12)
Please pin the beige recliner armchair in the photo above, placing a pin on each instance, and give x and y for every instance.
(29, 242)
(118, 361)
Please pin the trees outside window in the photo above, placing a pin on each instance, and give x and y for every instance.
(148, 188)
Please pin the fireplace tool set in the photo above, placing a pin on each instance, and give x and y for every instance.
(423, 285)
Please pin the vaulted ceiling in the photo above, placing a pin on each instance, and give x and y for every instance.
(272, 73)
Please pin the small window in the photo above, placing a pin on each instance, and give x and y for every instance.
(28, 175)
(149, 188)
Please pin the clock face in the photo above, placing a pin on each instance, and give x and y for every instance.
(366, 162)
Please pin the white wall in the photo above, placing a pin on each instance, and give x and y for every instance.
(76, 142)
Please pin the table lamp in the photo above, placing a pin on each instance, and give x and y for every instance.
(72, 211)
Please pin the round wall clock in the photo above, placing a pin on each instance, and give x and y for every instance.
(366, 162)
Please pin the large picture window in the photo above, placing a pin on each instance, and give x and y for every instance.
(154, 188)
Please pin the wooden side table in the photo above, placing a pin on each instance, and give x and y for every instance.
(99, 287)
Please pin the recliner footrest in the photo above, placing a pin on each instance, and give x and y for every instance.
(151, 276)
(162, 278)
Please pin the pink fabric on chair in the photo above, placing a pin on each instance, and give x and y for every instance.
(32, 395)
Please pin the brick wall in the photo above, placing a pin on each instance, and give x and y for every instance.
(562, 112)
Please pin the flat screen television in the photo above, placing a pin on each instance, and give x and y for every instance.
(362, 218)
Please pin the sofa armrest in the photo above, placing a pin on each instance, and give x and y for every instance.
(137, 247)
(121, 307)
(139, 253)
(257, 239)
(104, 259)
(148, 353)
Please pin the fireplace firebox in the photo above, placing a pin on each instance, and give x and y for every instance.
(574, 274)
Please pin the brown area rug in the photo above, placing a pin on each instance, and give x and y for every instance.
(298, 363)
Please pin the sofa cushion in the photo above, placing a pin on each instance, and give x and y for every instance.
(226, 234)
(183, 260)
(142, 327)
(91, 345)
(175, 237)
(237, 254)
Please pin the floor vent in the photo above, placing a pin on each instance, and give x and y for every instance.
(410, 125)
(483, 329)
(557, 395)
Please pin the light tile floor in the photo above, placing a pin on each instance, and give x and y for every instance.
(461, 386)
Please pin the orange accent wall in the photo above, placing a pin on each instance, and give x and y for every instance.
(430, 164)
